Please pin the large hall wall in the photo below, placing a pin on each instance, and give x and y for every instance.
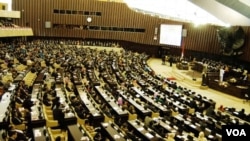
(35, 13)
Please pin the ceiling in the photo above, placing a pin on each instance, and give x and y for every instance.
(220, 12)
(233, 12)
(230, 12)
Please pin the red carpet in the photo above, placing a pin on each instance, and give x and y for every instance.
(171, 78)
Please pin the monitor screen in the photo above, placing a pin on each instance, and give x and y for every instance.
(170, 34)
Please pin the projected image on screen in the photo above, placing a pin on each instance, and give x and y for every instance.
(170, 34)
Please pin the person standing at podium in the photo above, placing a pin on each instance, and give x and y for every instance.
(222, 71)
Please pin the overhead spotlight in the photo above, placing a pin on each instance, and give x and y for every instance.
(227, 25)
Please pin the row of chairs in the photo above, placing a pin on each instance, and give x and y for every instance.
(20, 67)
(48, 114)
(58, 133)
(80, 121)
(29, 78)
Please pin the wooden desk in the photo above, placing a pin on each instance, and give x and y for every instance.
(91, 108)
(76, 78)
(40, 77)
(70, 118)
(166, 125)
(139, 108)
(96, 114)
(74, 132)
(143, 133)
(37, 117)
(93, 79)
(231, 90)
(111, 102)
(161, 108)
(111, 131)
(198, 66)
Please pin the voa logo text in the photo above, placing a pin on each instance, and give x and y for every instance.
(236, 132)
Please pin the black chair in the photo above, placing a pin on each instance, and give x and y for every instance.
(4, 135)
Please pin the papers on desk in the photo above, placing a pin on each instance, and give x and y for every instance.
(235, 113)
(57, 89)
(173, 131)
(115, 128)
(34, 113)
(70, 114)
(116, 136)
(33, 99)
(149, 135)
(11, 88)
(37, 133)
(140, 129)
(193, 126)
(84, 138)
(34, 118)
(210, 136)
(105, 124)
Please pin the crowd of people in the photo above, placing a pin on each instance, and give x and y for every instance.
(6, 23)
(73, 58)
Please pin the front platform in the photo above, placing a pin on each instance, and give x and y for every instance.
(189, 76)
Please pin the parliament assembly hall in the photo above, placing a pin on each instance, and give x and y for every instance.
(124, 70)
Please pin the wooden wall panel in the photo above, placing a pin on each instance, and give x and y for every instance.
(37, 12)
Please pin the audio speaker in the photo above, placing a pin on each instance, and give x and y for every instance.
(156, 30)
(47, 24)
(184, 32)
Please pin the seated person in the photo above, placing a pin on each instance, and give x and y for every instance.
(107, 111)
(20, 134)
(12, 136)
(58, 114)
(68, 87)
(16, 119)
(75, 101)
(27, 103)
(201, 137)
(56, 102)
(147, 121)
(124, 127)
(46, 101)
(170, 137)
(210, 111)
(80, 111)
(131, 109)
(242, 113)
(130, 134)
(98, 137)
(88, 127)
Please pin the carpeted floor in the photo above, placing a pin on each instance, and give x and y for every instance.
(193, 74)
(184, 80)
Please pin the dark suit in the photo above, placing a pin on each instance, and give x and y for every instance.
(59, 116)
(27, 104)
